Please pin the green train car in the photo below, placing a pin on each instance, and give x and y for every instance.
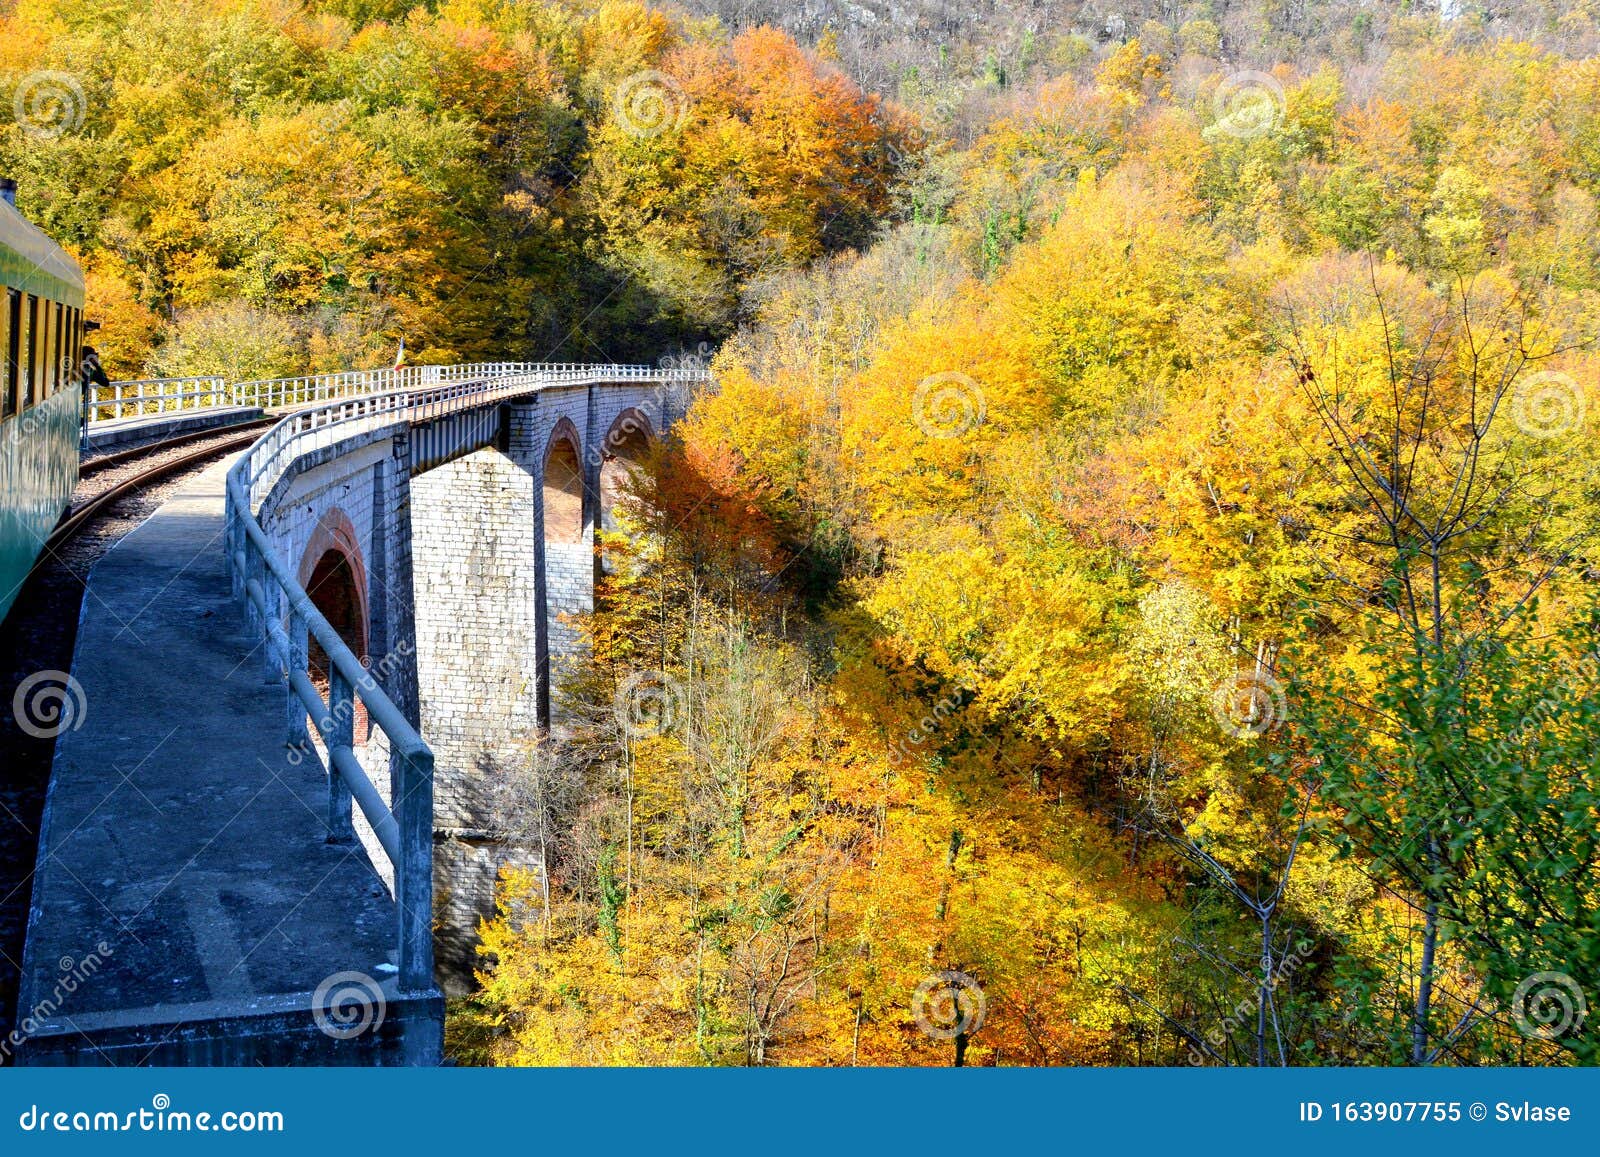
(41, 332)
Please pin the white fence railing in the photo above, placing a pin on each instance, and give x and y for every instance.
(282, 393)
(154, 396)
(316, 427)
(281, 611)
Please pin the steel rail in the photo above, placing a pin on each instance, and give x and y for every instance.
(84, 513)
(104, 461)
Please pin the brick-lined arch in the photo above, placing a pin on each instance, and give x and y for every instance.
(333, 573)
(563, 484)
(624, 448)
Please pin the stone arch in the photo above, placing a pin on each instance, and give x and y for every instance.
(563, 485)
(624, 448)
(334, 575)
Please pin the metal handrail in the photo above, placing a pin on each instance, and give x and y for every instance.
(404, 827)
(297, 433)
(165, 394)
(281, 393)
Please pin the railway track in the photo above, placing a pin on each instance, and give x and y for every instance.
(115, 493)
(93, 466)
(165, 459)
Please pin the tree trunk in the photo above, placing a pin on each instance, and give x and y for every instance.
(1430, 939)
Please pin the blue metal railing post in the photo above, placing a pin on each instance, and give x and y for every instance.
(340, 733)
(298, 659)
(413, 791)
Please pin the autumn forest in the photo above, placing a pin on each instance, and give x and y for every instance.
(1131, 593)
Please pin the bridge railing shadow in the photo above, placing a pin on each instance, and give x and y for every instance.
(403, 829)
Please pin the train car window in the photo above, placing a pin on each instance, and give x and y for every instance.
(41, 348)
(47, 348)
(72, 359)
(24, 348)
(64, 363)
(79, 336)
(56, 367)
(8, 356)
(30, 386)
(50, 314)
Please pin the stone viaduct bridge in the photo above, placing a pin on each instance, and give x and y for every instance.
(374, 602)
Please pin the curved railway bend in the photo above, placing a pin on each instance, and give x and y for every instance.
(115, 493)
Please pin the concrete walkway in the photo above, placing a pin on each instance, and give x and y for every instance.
(184, 878)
